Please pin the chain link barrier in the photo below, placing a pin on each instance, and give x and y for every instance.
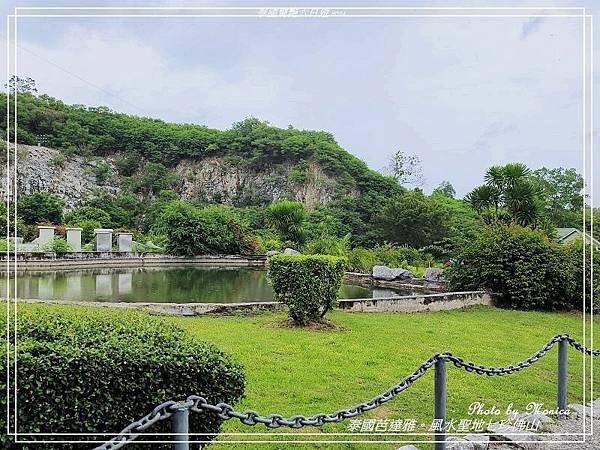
(226, 412)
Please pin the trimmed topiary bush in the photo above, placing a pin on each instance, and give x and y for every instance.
(89, 370)
(522, 267)
(307, 284)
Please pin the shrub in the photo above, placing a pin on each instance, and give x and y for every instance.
(307, 284)
(573, 264)
(81, 371)
(267, 241)
(523, 268)
(88, 213)
(329, 245)
(88, 226)
(361, 260)
(57, 245)
(40, 207)
(102, 172)
(58, 161)
(299, 173)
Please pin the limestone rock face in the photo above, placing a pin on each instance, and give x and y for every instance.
(218, 180)
(213, 179)
(73, 181)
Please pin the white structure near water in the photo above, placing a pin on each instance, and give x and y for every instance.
(124, 241)
(103, 239)
(46, 234)
(74, 238)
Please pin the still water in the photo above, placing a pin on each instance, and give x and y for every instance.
(172, 285)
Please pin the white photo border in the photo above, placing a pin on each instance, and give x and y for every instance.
(12, 185)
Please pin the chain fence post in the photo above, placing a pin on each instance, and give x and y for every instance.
(180, 425)
(440, 402)
(562, 378)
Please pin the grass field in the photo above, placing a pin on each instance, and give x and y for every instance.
(296, 371)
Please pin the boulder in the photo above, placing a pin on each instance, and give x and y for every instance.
(479, 441)
(433, 274)
(456, 443)
(509, 434)
(290, 251)
(272, 253)
(389, 274)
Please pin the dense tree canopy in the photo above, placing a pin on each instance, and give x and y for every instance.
(40, 207)
(100, 131)
(414, 219)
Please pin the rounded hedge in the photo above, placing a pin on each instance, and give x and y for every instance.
(88, 370)
(307, 284)
(523, 268)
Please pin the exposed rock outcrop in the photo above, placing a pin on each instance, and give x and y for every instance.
(214, 179)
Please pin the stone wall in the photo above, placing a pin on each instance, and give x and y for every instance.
(418, 303)
(75, 260)
(407, 304)
(178, 309)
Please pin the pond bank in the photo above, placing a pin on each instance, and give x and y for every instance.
(82, 260)
(409, 303)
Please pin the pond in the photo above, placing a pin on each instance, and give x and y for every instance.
(164, 284)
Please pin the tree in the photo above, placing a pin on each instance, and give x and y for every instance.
(40, 207)
(88, 213)
(413, 219)
(21, 85)
(562, 193)
(287, 218)
(508, 195)
(406, 169)
(446, 189)
(194, 231)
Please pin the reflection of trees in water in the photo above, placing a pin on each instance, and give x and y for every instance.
(155, 284)
(205, 285)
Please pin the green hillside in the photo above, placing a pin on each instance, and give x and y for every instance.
(98, 131)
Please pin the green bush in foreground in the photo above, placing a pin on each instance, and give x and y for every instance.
(83, 370)
(307, 284)
(522, 267)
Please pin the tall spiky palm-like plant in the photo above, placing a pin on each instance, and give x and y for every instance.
(287, 218)
(508, 195)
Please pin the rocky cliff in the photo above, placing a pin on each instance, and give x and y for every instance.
(210, 179)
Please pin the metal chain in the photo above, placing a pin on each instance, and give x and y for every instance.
(580, 347)
(225, 411)
(131, 432)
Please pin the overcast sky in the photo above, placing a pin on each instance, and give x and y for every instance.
(461, 93)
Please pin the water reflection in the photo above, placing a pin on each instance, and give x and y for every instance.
(174, 285)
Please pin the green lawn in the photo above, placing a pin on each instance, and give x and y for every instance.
(295, 371)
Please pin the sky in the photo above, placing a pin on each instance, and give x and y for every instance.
(461, 93)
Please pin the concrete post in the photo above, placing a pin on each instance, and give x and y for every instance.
(125, 240)
(46, 234)
(74, 238)
(103, 239)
